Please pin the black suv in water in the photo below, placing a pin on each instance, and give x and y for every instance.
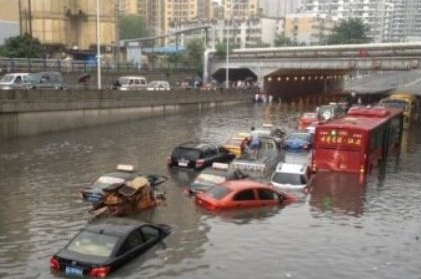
(198, 155)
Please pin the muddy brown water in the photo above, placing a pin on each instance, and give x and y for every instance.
(341, 230)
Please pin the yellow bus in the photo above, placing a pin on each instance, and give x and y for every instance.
(405, 101)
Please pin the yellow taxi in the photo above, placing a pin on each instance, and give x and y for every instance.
(237, 145)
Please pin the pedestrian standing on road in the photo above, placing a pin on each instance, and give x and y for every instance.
(254, 143)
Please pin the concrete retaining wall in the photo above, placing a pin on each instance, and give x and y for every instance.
(35, 112)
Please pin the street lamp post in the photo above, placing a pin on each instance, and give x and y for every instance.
(98, 45)
(227, 82)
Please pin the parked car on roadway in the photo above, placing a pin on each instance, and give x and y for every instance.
(308, 118)
(298, 140)
(15, 81)
(215, 174)
(99, 249)
(159, 85)
(114, 180)
(129, 83)
(198, 155)
(241, 194)
(46, 80)
(291, 176)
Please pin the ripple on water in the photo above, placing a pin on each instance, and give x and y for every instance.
(335, 232)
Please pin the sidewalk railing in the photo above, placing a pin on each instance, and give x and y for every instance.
(69, 66)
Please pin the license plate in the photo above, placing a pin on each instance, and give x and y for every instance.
(183, 164)
(73, 271)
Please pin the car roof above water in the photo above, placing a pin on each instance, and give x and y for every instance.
(116, 228)
(196, 145)
(291, 168)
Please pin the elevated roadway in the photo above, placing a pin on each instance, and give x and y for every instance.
(289, 71)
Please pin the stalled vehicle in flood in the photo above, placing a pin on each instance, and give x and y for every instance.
(198, 155)
(357, 142)
(113, 181)
(216, 174)
(100, 249)
(241, 194)
(298, 141)
(269, 154)
(291, 176)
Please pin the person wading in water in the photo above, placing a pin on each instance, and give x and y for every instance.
(254, 143)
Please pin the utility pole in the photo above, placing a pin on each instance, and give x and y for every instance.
(98, 45)
(30, 17)
(20, 17)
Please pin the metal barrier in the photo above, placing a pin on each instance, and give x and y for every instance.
(69, 66)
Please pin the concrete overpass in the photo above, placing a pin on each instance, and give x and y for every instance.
(288, 71)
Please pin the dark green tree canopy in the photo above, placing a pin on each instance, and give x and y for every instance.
(22, 46)
(193, 55)
(351, 31)
(131, 26)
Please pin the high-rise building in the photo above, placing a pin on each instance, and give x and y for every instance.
(279, 8)
(9, 19)
(128, 7)
(69, 24)
(388, 20)
(308, 28)
(404, 22)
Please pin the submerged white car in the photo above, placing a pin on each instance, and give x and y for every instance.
(158, 85)
(291, 176)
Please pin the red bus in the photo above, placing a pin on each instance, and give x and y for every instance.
(357, 141)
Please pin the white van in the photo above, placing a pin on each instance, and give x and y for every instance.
(15, 81)
(128, 83)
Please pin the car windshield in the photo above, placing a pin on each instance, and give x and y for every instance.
(7, 78)
(299, 136)
(218, 192)
(104, 181)
(288, 178)
(93, 244)
(186, 153)
(207, 178)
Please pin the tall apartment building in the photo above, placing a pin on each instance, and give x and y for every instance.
(128, 7)
(404, 22)
(279, 8)
(389, 20)
(69, 24)
(9, 19)
(308, 28)
(164, 16)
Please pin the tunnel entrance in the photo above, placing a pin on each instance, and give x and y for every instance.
(292, 82)
(243, 74)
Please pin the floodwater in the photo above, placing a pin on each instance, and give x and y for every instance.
(342, 229)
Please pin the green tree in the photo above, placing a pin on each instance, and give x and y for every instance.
(131, 26)
(351, 31)
(22, 46)
(193, 54)
(282, 40)
(221, 50)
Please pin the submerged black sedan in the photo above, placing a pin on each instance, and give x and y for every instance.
(99, 249)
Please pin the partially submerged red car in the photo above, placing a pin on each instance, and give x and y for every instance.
(242, 194)
(308, 118)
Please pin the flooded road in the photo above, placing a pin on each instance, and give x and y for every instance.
(341, 230)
